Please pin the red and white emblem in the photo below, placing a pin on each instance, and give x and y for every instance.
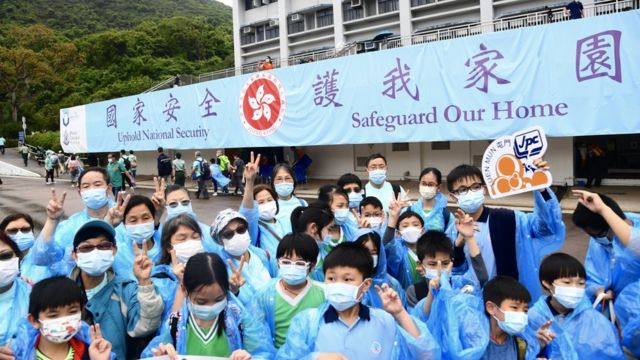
(262, 104)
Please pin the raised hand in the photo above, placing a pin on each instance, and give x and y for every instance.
(390, 299)
(362, 221)
(55, 207)
(100, 348)
(6, 353)
(165, 349)
(465, 224)
(176, 267)
(159, 184)
(115, 214)
(251, 169)
(240, 355)
(142, 265)
(395, 207)
(591, 201)
(541, 164)
(544, 335)
(236, 280)
(404, 201)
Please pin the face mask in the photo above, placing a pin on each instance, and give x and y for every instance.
(61, 329)
(431, 273)
(341, 216)
(514, 322)
(207, 312)
(354, 199)
(94, 198)
(292, 274)
(140, 232)
(284, 189)
(411, 234)
(567, 296)
(268, 210)
(341, 296)
(238, 244)
(471, 201)
(375, 261)
(24, 241)
(179, 210)
(604, 241)
(187, 249)
(110, 161)
(378, 176)
(9, 270)
(428, 192)
(96, 262)
(374, 221)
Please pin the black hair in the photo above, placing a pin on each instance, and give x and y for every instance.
(433, 242)
(4, 238)
(13, 217)
(501, 288)
(301, 244)
(286, 168)
(102, 171)
(123, 151)
(339, 192)
(586, 219)
(178, 155)
(434, 171)
(160, 149)
(376, 156)
(318, 213)
(262, 187)
(174, 187)
(205, 269)
(371, 200)
(349, 254)
(348, 178)
(169, 228)
(462, 172)
(53, 293)
(131, 152)
(372, 236)
(560, 265)
(136, 200)
(325, 192)
(408, 214)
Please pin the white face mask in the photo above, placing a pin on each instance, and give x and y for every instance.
(514, 322)
(428, 192)
(341, 216)
(375, 261)
(568, 296)
(268, 210)
(140, 232)
(238, 244)
(411, 234)
(61, 329)
(187, 249)
(341, 296)
(9, 270)
(374, 221)
(378, 176)
(207, 312)
(96, 262)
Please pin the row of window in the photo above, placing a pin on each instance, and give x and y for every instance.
(259, 33)
(252, 4)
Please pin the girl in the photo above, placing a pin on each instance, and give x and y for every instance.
(315, 220)
(283, 183)
(432, 205)
(346, 225)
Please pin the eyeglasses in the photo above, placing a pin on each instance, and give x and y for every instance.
(87, 248)
(463, 190)
(7, 256)
(299, 263)
(25, 230)
(229, 233)
(175, 204)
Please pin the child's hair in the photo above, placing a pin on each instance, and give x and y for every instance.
(434, 171)
(5, 239)
(560, 265)
(286, 168)
(586, 219)
(349, 254)
(136, 200)
(53, 293)
(325, 192)
(372, 236)
(318, 213)
(174, 187)
(169, 229)
(300, 244)
(433, 242)
(13, 217)
(349, 178)
(376, 156)
(262, 187)
(205, 269)
(339, 192)
(371, 200)
(462, 172)
(409, 214)
(501, 288)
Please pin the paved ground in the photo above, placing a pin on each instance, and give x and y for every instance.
(31, 195)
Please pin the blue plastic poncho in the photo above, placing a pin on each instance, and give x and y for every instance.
(434, 220)
(218, 177)
(627, 308)
(14, 308)
(380, 276)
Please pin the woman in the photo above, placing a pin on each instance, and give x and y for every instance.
(283, 183)
(14, 292)
(211, 321)
(432, 204)
(73, 166)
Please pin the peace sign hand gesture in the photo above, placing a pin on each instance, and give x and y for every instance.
(100, 348)
(115, 214)
(362, 221)
(251, 168)
(55, 207)
(142, 265)
(236, 280)
(390, 299)
(159, 184)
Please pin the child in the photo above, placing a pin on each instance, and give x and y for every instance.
(613, 257)
(283, 298)
(432, 205)
(346, 225)
(372, 214)
(344, 326)
(580, 331)
(352, 185)
(400, 239)
(54, 329)
(283, 183)
(315, 220)
(512, 243)
(211, 321)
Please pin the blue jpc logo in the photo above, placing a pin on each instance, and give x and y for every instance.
(528, 144)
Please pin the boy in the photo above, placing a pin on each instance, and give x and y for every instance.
(580, 331)
(512, 242)
(613, 257)
(54, 329)
(283, 298)
(343, 328)
(400, 239)
(378, 186)
(372, 214)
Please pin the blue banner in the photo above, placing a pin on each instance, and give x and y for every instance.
(572, 78)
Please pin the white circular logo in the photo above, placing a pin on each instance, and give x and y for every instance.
(262, 104)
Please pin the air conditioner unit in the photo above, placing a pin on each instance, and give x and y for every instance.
(359, 47)
(273, 23)
(369, 45)
(356, 3)
(247, 30)
(256, 3)
(296, 17)
(265, 2)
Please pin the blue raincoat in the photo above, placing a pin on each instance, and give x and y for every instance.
(208, 243)
(380, 277)
(125, 256)
(30, 270)
(166, 284)
(398, 264)
(18, 309)
(218, 177)
(241, 328)
(627, 307)
(435, 219)
(581, 334)
(303, 332)
(263, 238)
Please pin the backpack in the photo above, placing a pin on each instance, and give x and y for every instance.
(205, 170)
(54, 160)
(127, 163)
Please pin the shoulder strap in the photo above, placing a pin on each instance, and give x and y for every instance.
(446, 214)
(270, 230)
(173, 328)
(521, 345)
(422, 289)
(396, 190)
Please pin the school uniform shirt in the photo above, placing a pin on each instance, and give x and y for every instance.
(385, 194)
(286, 307)
(206, 341)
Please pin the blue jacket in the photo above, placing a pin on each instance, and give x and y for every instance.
(207, 241)
(217, 176)
(166, 284)
(380, 276)
(613, 267)
(581, 334)
(261, 236)
(18, 309)
(125, 256)
(627, 307)
(301, 338)
(243, 332)
(30, 270)
(435, 219)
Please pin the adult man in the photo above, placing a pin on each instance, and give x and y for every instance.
(574, 10)
(117, 171)
(164, 165)
(198, 170)
(134, 164)
(378, 186)
(124, 160)
(178, 168)
(24, 151)
(238, 171)
(224, 162)
(2, 144)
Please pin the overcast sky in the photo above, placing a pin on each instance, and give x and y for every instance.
(226, 2)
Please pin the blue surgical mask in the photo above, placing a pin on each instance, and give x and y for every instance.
(471, 201)
(378, 176)
(431, 273)
(293, 275)
(23, 240)
(341, 216)
(284, 189)
(568, 296)
(207, 312)
(354, 199)
(341, 296)
(94, 199)
(179, 210)
(514, 322)
(96, 262)
(140, 232)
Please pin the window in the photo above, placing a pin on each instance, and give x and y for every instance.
(421, 2)
(247, 38)
(441, 145)
(260, 33)
(295, 27)
(272, 32)
(400, 147)
(324, 17)
(351, 13)
(385, 6)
